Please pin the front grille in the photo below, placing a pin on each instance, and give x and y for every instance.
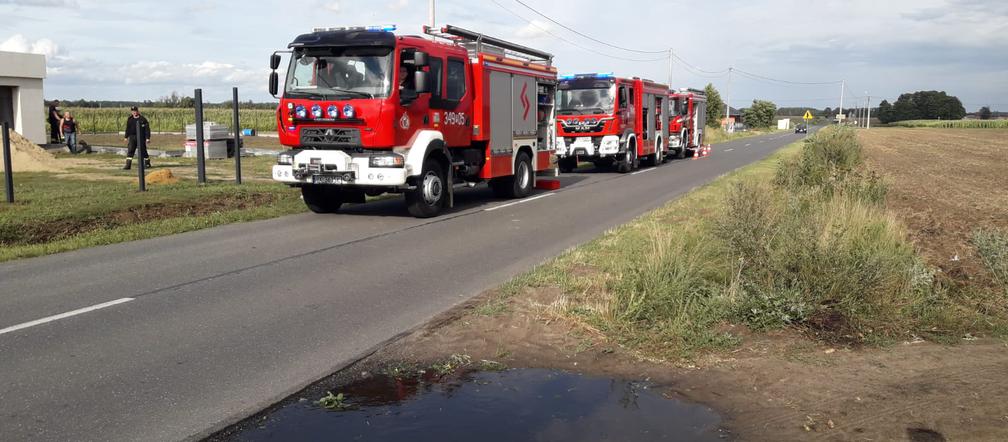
(330, 136)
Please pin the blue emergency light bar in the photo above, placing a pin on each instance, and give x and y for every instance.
(593, 75)
(374, 28)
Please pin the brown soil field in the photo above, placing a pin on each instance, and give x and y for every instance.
(944, 184)
(784, 385)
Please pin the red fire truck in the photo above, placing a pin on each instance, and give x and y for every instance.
(689, 117)
(610, 121)
(365, 112)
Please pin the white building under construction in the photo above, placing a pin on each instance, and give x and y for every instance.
(21, 102)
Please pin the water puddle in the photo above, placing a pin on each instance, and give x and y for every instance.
(508, 405)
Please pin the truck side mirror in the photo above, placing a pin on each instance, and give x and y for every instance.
(422, 81)
(420, 59)
(274, 61)
(274, 83)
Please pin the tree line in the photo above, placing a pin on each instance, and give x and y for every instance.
(172, 100)
(922, 105)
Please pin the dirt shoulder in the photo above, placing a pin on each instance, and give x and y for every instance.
(783, 384)
(776, 386)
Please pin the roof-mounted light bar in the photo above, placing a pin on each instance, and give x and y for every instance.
(374, 28)
(605, 75)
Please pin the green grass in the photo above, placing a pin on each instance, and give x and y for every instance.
(953, 124)
(55, 214)
(715, 135)
(112, 120)
(992, 246)
(800, 240)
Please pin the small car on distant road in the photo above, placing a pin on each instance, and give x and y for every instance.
(801, 129)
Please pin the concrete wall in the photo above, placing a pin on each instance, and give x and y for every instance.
(25, 73)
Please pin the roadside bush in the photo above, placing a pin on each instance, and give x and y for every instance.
(992, 246)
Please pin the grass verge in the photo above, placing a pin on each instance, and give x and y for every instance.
(800, 240)
(56, 214)
(715, 135)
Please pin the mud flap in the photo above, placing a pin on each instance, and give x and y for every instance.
(451, 186)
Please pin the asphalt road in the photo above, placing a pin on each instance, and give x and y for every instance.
(176, 337)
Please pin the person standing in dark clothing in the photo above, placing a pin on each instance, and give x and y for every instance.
(136, 126)
(54, 122)
(69, 128)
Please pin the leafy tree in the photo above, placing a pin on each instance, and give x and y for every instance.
(885, 112)
(715, 106)
(925, 105)
(760, 114)
(985, 113)
(828, 112)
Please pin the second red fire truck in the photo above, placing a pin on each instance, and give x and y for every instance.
(689, 117)
(610, 121)
(366, 112)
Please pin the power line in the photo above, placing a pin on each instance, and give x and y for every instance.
(696, 69)
(777, 80)
(575, 44)
(585, 35)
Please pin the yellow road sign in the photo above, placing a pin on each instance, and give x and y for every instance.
(808, 115)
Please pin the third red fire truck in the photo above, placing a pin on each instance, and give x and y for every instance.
(610, 121)
(366, 112)
(689, 117)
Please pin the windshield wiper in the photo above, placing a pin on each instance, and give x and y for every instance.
(358, 93)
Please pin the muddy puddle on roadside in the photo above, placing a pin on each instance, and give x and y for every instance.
(503, 405)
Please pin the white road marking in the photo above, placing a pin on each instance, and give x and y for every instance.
(489, 209)
(64, 315)
(748, 144)
(643, 170)
(728, 150)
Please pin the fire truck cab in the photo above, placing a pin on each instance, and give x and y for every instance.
(611, 121)
(689, 118)
(366, 112)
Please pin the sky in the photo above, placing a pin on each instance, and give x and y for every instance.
(136, 50)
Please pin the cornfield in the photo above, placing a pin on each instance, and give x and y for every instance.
(111, 120)
(953, 124)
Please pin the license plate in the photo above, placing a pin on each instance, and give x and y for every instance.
(327, 179)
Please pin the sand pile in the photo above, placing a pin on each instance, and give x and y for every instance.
(163, 176)
(29, 157)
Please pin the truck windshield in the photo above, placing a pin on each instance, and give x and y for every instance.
(596, 100)
(340, 72)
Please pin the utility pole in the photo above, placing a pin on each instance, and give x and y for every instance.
(868, 121)
(430, 13)
(671, 55)
(843, 86)
(727, 104)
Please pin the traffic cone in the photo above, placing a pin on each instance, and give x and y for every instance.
(696, 154)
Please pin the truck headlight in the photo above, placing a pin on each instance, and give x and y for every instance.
(387, 160)
(285, 158)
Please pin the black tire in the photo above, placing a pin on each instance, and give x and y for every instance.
(681, 152)
(629, 162)
(567, 164)
(431, 191)
(518, 185)
(322, 199)
(655, 159)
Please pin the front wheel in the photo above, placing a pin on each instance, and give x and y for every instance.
(322, 199)
(629, 161)
(428, 197)
(567, 164)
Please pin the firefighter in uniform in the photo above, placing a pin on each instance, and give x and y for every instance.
(136, 126)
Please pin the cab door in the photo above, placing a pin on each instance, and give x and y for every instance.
(456, 102)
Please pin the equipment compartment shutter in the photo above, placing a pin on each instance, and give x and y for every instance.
(524, 106)
(500, 112)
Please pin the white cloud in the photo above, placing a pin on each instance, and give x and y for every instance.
(19, 43)
(535, 29)
(203, 73)
(332, 6)
(42, 3)
(398, 5)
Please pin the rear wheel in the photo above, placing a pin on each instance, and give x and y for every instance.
(518, 185)
(567, 164)
(322, 199)
(427, 199)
